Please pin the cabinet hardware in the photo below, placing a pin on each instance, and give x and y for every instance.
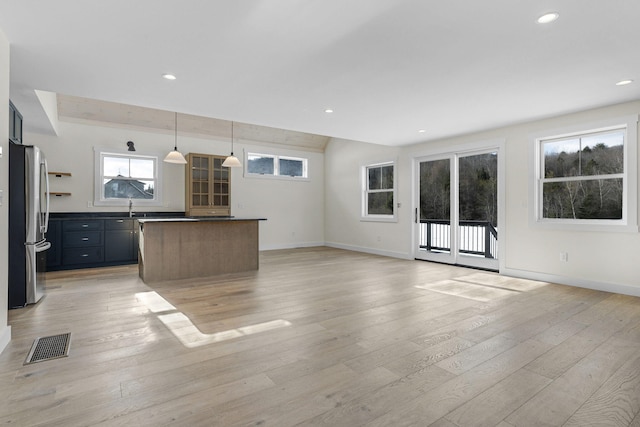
(84, 239)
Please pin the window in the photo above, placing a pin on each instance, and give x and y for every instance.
(587, 178)
(276, 166)
(379, 192)
(122, 177)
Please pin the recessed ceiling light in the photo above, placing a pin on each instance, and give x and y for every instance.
(169, 76)
(624, 82)
(422, 131)
(548, 17)
(328, 111)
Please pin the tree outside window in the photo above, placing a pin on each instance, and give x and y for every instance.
(379, 191)
(583, 176)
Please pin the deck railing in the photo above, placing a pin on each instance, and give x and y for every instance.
(476, 237)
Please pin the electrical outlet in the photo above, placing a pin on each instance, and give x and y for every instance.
(564, 256)
(89, 204)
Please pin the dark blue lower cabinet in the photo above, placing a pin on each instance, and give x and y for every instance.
(88, 255)
(118, 245)
(91, 243)
(54, 253)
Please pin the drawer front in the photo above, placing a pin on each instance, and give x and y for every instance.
(89, 225)
(118, 224)
(74, 239)
(72, 256)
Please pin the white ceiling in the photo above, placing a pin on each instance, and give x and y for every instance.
(387, 67)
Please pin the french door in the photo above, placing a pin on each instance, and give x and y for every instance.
(456, 217)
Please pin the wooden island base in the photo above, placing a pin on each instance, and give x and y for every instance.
(183, 248)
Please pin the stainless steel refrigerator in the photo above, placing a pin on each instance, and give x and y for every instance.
(28, 223)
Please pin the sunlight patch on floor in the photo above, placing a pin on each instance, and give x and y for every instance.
(505, 282)
(189, 335)
(476, 292)
(154, 302)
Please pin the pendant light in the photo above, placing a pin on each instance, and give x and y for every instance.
(175, 156)
(232, 161)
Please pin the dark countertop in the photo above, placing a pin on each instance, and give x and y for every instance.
(112, 215)
(198, 219)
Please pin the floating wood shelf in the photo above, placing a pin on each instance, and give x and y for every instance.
(60, 174)
(57, 194)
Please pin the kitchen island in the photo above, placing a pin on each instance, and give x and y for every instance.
(182, 248)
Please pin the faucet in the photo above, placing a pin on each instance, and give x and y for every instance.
(130, 207)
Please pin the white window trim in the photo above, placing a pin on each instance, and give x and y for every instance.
(629, 221)
(99, 200)
(276, 166)
(366, 217)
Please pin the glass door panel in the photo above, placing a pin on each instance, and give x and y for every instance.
(434, 210)
(478, 210)
(460, 189)
(200, 181)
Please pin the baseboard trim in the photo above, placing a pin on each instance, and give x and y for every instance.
(524, 274)
(372, 251)
(291, 246)
(5, 337)
(572, 281)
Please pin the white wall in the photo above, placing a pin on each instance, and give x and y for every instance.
(5, 330)
(294, 210)
(601, 260)
(73, 151)
(344, 229)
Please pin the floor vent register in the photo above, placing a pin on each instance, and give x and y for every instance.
(47, 348)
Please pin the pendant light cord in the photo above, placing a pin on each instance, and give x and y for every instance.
(175, 127)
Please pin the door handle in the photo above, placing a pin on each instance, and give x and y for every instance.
(43, 246)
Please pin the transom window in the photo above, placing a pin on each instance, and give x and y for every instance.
(276, 166)
(587, 177)
(123, 176)
(379, 191)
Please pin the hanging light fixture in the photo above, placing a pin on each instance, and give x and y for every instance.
(175, 156)
(232, 161)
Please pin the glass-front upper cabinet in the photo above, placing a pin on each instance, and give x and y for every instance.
(208, 186)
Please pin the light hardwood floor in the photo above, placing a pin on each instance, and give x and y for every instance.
(323, 336)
